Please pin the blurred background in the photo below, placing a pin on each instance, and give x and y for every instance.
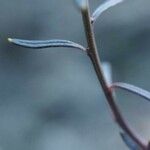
(50, 99)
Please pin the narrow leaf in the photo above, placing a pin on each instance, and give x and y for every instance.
(103, 7)
(133, 89)
(46, 43)
(129, 142)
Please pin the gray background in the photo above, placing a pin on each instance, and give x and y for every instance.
(50, 99)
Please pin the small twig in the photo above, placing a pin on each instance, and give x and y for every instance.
(93, 54)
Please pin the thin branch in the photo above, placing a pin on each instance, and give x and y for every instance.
(46, 43)
(93, 54)
(103, 7)
(132, 89)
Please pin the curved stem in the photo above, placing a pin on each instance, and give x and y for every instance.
(93, 54)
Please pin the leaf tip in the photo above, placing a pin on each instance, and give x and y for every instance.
(10, 40)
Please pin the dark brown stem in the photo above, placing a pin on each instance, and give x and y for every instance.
(93, 54)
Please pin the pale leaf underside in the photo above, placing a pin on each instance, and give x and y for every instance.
(82, 4)
(103, 7)
(133, 89)
(46, 43)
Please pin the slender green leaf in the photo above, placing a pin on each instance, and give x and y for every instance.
(103, 7)
(133, 89)
(46, 43)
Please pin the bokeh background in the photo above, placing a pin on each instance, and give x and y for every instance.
(50, 99)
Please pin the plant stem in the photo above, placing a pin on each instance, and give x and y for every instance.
(94, 56)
